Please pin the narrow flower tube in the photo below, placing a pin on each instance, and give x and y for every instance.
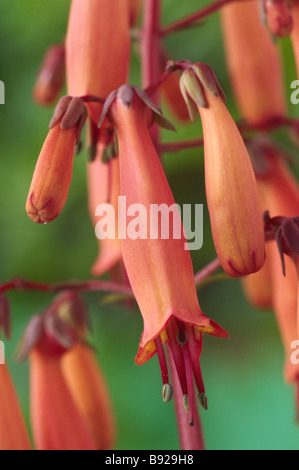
(53, 171)
(280, 193)
(159, 268)
(97, 49)
(61, 425)
(254, 63)
(103, 188)
(285, 308)
(13, 432)
(50, 78)
(231, 188)
(90, 393)
(84, 377)
(278, 184)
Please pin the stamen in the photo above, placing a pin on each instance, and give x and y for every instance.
(162, 360)
(183, 341)
(167, 392)
(194, 352)
(189, 377)
(203, 399)
(177, 354)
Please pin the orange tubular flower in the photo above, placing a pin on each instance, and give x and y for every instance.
(280, 194)
(253, 62)
(89, 390)
(159, 269)
(97, 49)
(13, 432)
(285, 308)
(85, 378)
(231, 188)
(103, 187)
(57, 424)
(50, 78)
(53, 172)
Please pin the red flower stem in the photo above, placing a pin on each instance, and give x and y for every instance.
(209, 269)
(271, 124)
(152, 88)
(21, 284)
(162, 360)
(180, 145)
(190, 387)
(194, 17)
(190, 437)
(150, 53)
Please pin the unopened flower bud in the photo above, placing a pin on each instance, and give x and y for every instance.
(279, 18)
(50, 78)
(254, 63)
(53, 172)
(231, 189)
(13, 432)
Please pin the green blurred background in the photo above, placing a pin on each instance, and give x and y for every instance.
(250, 407)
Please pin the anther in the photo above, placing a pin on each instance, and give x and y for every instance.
(167, 392)
(186, 403)
(203, 400)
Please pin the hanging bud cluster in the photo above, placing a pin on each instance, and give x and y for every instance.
(65, 373)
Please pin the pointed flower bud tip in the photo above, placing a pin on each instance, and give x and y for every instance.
(197, 81)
